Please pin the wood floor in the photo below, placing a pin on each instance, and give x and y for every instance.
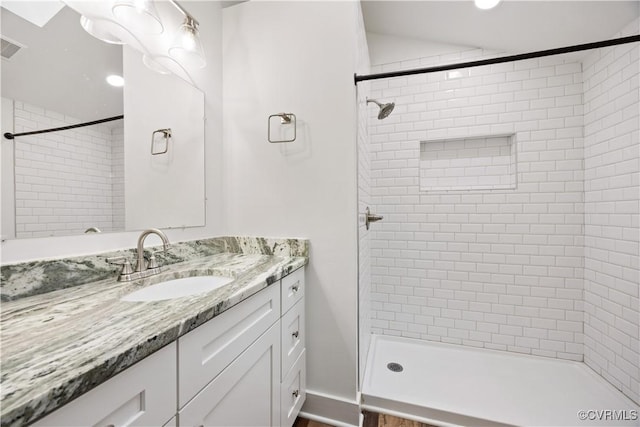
(370, 420)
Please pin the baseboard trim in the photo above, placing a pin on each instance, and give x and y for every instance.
(332, 410)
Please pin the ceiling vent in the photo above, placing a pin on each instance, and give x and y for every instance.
(9, 48)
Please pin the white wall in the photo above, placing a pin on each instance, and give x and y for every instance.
(209, 80)
(387, 49)
(612, 214)
(499, 269)
(299, 57)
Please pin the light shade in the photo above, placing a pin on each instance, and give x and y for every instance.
(153, 63)
(102, 29)
(486, 4)
(186, 47)
(138, 15)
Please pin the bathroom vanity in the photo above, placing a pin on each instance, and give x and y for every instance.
(233, 356)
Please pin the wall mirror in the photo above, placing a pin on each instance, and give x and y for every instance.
(99, 178)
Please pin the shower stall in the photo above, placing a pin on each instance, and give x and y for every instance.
(502, 286)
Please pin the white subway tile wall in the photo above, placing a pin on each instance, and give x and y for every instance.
(500, 269)
(63, 179)
(612, 206)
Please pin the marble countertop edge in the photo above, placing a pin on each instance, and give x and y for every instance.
(20, 408)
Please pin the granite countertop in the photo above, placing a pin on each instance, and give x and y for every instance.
(60, 344)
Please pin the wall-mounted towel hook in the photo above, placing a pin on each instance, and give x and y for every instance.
(285, 119)
(166, 134)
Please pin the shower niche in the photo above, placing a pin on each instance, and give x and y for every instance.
(477, 163)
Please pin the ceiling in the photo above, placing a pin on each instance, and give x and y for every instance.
(61, 68)
(229, 3)
(513, 26)
(61, 60)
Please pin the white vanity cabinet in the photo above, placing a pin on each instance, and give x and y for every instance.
(245, 367)
(142, 395)
(204, 352)
(230, 367)
(292, 330)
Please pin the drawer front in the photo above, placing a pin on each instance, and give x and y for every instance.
(204, 352)
(292, 289)
(293, 336)
(142, 395)
(293, 392)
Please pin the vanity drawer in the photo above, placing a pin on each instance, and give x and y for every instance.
(292, 289)
(141, 395)
(293, 336)
(204, 352)
(293, 392)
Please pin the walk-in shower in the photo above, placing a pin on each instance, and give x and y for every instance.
(504, 277)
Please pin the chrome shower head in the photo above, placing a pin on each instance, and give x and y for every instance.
(385, 109)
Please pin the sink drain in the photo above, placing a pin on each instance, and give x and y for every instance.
(395, 367)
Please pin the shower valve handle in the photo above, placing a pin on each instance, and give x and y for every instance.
(369, 217)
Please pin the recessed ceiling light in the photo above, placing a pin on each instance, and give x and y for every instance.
(115, 80)
(486, 4)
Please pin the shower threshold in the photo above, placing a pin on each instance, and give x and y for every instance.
(447, 385)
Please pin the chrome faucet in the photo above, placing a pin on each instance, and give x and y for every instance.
(152, 261)
(127, 273)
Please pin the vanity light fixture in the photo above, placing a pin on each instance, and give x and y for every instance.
(186, 47)
(101, 29)
(136, 23)
(138, 15)
(486, 4)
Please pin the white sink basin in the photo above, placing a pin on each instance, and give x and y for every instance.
(177, 288)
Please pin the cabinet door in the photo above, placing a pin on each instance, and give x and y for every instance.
(246, 393)
(294, 391)
(142, 395)
(208, 349)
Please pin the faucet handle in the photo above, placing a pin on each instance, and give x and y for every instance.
(124, 262)
(152, 262)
